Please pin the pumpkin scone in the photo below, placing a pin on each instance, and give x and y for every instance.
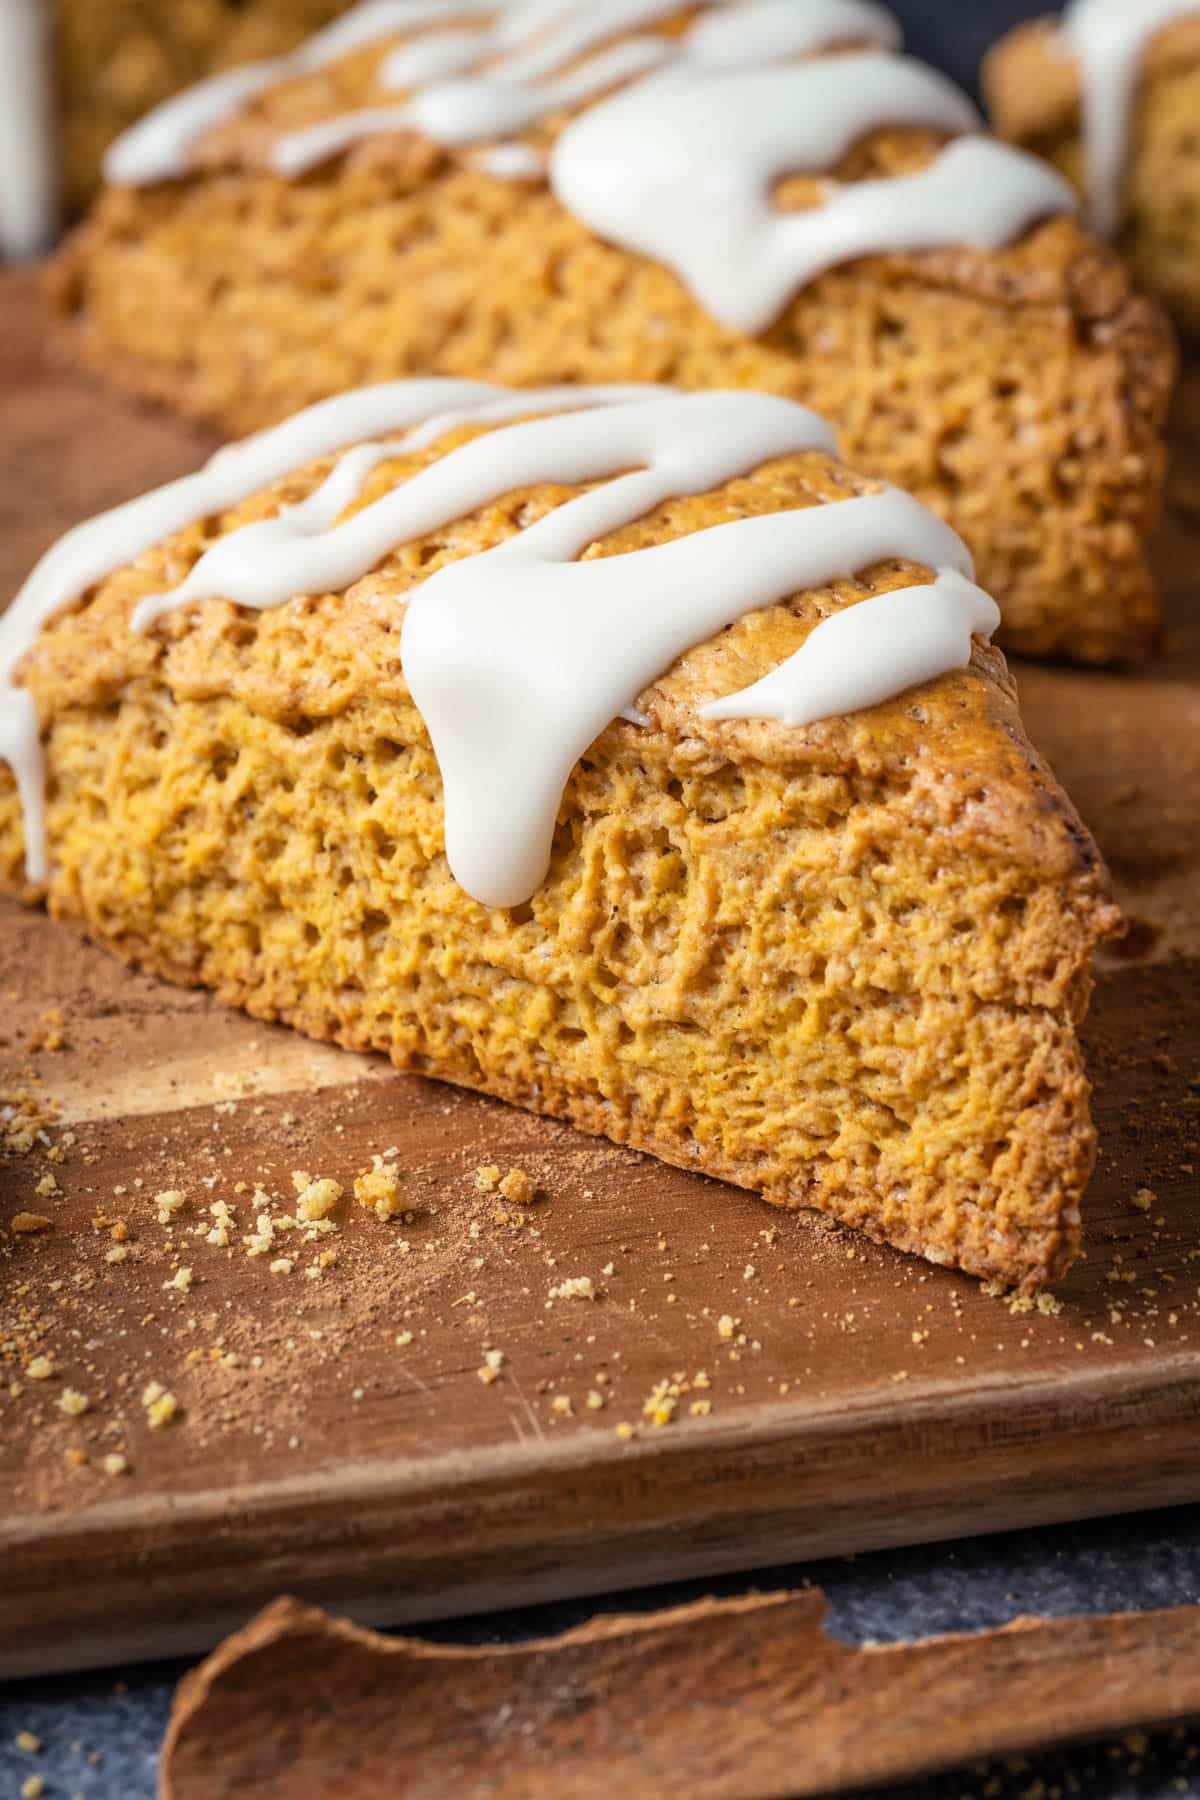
(1110, 93)
(74, 74)
(619, 753)
(759, 195)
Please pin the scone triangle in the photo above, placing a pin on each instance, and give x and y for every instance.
(801, 910)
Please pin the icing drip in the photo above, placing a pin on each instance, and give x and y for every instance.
(1110, 38)
(682, 170)
(94, 550)
(518, 657)
(28, 172)
(471, 81)
(517, 662)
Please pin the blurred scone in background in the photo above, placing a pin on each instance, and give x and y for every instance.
(114, 59)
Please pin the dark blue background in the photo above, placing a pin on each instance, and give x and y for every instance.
(956, 35)
(1130, 1564)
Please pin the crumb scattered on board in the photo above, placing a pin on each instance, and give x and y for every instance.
(243, 1277)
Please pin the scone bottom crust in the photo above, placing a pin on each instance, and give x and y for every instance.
(839, 962)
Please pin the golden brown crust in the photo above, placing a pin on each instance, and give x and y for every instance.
(1033, 90)
(843, 966)
(1021, 393)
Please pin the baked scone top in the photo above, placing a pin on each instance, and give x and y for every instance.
(666, 128)
(529, 567)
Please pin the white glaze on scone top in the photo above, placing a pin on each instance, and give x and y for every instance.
(676, 142)
(519, 656)
(683, 170)
(1110, 39)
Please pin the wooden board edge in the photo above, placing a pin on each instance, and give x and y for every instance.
(144, 1578)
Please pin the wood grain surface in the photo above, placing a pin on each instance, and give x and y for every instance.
(746, 1699)
(744, 1388)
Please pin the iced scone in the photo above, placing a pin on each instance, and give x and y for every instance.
(619, 753)
(761, 195)
(1110, 93)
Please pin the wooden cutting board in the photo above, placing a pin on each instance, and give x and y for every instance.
(744, 1388)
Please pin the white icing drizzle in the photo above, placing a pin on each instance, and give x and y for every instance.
(682, 170)
(470, 109)
(910, 631)
(769, 31)
(513, 162)
(1110, 38)
(519, 656)
(28, 165)
(522, 60)
(535, 52)
(434, 57)
(92, 551)
(680, 162)
(157, 148)
(302, 550)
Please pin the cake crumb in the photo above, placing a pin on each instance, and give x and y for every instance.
(223, 1219)
(487, 1177)
(596, 1401)
(380, 1192)
(487, 1375)
(561, 1404)
(50, 1033)
(403, 1339)
(117, 1254)
(726, 1326)
(25, 1740)
(73, 1403)
(661, 1404)
(1144, 1199)
(32, 1788)
(518, 1187)
(47, 1188)
(282, 1265)
(315, 1199)
(40, 1369)
(161, 1406)
(624, 1431)
(115, 1464)
(169, 1202)
(181, 1280)
(26, 1223)
(576, 1287)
